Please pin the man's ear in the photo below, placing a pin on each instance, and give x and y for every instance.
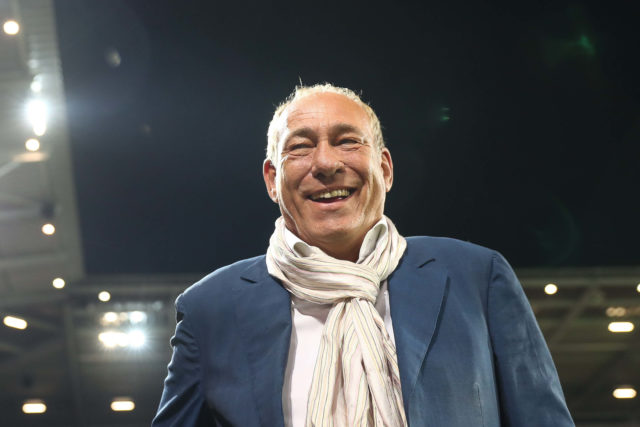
(269, 175)
(387, 168)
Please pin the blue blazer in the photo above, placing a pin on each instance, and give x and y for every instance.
(469, 349)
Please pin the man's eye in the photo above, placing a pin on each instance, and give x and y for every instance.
(348, 142)
(299, 148)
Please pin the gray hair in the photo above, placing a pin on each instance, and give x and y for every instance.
(274, 132)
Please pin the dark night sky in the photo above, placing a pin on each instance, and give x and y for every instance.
(538, 158)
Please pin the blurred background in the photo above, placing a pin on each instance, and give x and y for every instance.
(131, 140)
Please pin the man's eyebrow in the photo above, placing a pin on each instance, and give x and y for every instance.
(341, 128)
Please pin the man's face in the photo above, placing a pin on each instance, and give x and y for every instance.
(331, 180)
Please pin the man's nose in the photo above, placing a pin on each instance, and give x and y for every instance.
(326, 160)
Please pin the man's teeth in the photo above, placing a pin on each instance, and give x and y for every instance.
(331, 194)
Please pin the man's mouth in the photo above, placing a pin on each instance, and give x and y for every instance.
(331, 196)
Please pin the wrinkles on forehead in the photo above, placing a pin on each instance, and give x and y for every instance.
(292, 123)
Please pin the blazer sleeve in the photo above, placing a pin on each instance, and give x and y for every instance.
(529, 388)
(182, 402)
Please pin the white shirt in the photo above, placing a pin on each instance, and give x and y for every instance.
(307, 323)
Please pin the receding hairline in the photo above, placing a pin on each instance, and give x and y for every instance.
(280, 115)
(335, 129)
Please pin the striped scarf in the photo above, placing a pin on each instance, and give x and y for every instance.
(356, 381)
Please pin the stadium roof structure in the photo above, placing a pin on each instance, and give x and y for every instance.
(62, 359)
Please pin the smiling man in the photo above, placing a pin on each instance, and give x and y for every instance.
(344, 322)
(328, 171)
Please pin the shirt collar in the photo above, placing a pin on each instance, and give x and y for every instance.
(378, 230)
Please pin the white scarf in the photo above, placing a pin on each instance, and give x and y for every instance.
(356, 381)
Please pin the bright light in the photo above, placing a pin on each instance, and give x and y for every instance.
(48, 229)
(36, 85)
(37, 115)
(621, 326)
(15, 322)
(40, 129)
(616, 311)
(638, 287)
(108, 339)
(137, 317)
(624, 393)
(111, 339)
(36, 111)
(122, 404)
(122, 339)
(110, 317)
(34, 407)
(32, 144)
(137, 338)
(11, 27)
(104, 296)
(58, 283)
(112, 56)
(30, 157)
(550, 289)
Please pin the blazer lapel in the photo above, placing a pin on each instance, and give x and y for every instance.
(263, 310)
(417, 290)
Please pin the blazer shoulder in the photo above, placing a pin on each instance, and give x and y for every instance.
(218, 284)
(445, 247)
(469, 266)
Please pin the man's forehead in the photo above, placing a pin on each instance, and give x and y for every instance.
(325, 109)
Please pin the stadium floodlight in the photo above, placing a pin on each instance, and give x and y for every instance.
(137, 317)
(15, 322)
(618, 327)
(37, 116)
(34, 406)
(11, 27)
(137, 338)
(624, 393)
(48, 229)
(122, 404)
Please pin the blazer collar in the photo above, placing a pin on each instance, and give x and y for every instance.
(263, 309)
(417, 292)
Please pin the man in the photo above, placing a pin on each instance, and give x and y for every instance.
(344, 322)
